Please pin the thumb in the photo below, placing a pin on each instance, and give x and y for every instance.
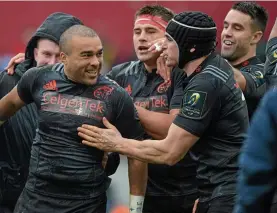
(108, 124)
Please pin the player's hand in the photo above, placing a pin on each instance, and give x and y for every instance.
(157, 45)
(103, 139)
(20, 57)
(195, 206)
(105, 159)
(163, 70)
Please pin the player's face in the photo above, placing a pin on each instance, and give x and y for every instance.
(236, 36)
(47, 52)
(171, 52)
(85, 60)
(143, 34)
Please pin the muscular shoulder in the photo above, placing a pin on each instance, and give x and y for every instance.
(217, 72)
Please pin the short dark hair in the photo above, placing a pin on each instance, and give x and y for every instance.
(76, 30)
(156, 10)
(257, 13)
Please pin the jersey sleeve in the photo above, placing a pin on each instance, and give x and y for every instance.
(111, 74)
(271, 63)
(26, 84)
(199, 103)
(178, 89)
(255, 81)
(127, 121)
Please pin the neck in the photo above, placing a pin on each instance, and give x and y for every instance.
(191, 66)
(150, 65)
(149, 68)
(250, 54)
(67, 74)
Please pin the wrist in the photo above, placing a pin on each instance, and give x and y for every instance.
(136, 203)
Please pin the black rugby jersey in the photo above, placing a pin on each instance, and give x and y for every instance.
(253, 71)
(214, 109)
(149, 91)
(61, 166)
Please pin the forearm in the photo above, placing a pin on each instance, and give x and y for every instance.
(7, 109)
(155, 124)
(137, 176)
(151, 151)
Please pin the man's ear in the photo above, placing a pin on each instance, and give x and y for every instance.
(63, 58)
(256, 37)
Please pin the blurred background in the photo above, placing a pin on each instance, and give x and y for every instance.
(113, 21)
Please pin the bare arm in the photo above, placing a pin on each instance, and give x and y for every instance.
(167, 151)
(138, 175)
(156, 124)
(10, 104)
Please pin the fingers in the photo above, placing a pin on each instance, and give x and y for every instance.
(89, 134)
(89, 143)
(156, 46)
(15, 60)
(108, 124)
(195, 206)
(88, 137)
(91, 128)
(163, 70)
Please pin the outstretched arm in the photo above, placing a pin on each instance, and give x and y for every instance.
(168, 151)
(156, 124)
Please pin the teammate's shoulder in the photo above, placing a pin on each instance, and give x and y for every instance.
(107, 82)
(217, 71)
(44, 68)
(127, 68)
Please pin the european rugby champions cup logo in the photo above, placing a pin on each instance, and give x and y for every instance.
(193, 103)
(193, 99)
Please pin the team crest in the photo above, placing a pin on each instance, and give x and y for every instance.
(103, 92)
(163, 87)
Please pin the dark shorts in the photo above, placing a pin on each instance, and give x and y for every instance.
(222, 204)
(32, 202)
(166, 204)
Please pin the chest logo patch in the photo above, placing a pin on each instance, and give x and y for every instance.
(163, 87)
(103, 92)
